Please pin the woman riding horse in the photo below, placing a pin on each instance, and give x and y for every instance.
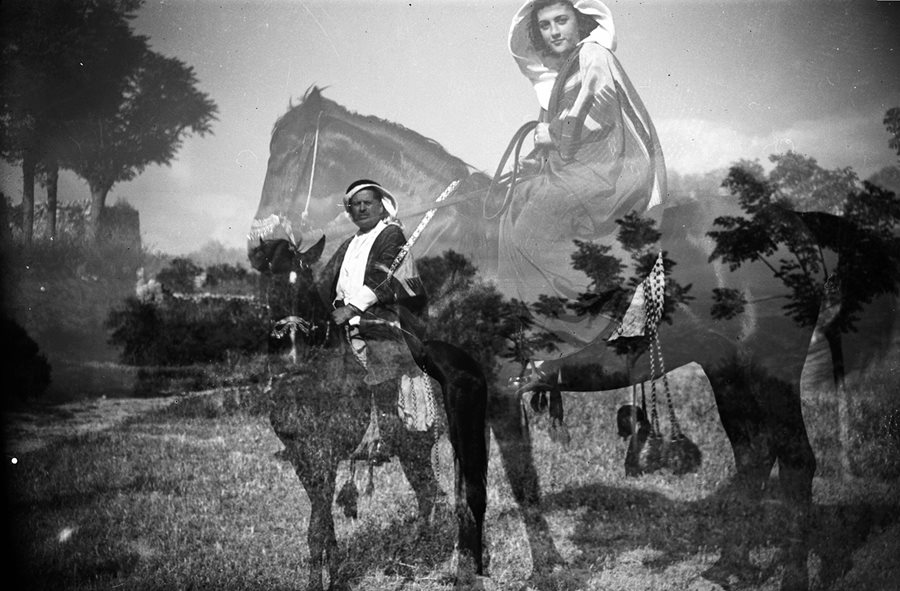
(599, 154)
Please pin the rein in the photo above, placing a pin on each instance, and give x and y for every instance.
(514, 146)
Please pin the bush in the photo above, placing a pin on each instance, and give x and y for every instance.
(181, 331)
(25, 372)
(61, 291)
(179, 276)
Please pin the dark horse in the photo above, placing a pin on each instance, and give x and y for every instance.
(753, 354)
(321, 409)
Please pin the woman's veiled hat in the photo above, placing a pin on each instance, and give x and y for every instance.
(387, 199)
(529, 58)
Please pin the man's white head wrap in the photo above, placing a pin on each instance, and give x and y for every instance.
(529, 58)
(388, 200)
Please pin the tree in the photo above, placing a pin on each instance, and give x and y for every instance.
(159, 107)
(610, 292)
(807, 186)
(60, 59)
(469, 312)
(892, 123)
(863, 238)
(887, 178)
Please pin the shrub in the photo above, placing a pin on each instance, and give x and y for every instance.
(25, 371)
(179, 276)
(62, 291)
(182, 331)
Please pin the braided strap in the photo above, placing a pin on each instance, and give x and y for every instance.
(653, 289)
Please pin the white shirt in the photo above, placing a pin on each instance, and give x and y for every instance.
(350, 284)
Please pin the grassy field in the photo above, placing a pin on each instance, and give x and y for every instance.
(192, 497)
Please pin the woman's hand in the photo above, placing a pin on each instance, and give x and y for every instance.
(542, 135)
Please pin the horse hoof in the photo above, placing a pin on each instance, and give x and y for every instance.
(476, 583)
(731, 576)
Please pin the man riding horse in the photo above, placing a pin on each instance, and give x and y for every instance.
(367, 279)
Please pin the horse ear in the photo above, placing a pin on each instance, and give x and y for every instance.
(314, 253)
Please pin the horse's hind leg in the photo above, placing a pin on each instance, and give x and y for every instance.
(796, 468)
(414, 452)
(737, 393)
(763, 420)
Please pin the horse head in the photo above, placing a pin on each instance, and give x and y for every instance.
(319, 147)
(272, 256)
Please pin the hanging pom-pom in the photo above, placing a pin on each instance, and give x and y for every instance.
(347, 499)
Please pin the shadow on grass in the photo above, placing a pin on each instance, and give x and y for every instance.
(663, 532)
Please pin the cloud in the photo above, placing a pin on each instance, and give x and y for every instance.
(695, 145)
(172, 224)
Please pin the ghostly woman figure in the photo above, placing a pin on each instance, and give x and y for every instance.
(599, 155)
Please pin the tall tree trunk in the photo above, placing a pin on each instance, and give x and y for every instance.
(98, 202)
(52, 189)
(835, 345)
(28, 166)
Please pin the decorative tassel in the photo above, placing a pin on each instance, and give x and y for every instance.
(348, 497)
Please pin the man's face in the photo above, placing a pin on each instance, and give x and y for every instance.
(559, 28)
(366, 209)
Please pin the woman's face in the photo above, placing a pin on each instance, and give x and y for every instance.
(559, 28)
(366, 209)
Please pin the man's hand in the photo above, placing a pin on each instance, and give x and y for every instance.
(344, 313)
(542, 135)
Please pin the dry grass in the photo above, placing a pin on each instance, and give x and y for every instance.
(194, 498)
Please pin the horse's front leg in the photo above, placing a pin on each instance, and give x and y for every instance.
(518, 462)
(319, 484)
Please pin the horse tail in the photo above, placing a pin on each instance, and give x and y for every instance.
(464, 388)
(467, 386)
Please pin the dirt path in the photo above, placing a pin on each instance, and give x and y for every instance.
(32, 430)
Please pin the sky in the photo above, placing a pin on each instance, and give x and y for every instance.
(723, 81)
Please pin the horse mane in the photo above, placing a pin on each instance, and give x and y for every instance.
(314, 102)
